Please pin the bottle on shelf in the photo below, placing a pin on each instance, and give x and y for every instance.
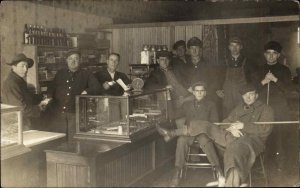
(153, 55)
(26, 35)
(30, 35)
(145, 55)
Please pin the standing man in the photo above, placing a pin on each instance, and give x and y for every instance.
(239, 71)
(166, 77)
(15, 91)
(180, 54)
(275, 79)
(198, 69)
(242, 139)
(196, 109)
(66, 85)
(108, 77)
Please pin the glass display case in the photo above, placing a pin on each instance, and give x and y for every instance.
(120, 118)
(11, 131)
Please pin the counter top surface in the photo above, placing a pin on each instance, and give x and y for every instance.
(34, 137)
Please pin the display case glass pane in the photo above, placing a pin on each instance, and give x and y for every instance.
(120, 116)
(9, 127)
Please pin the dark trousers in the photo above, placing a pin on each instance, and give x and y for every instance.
(205, 143)
(240, 153)
(64, 123)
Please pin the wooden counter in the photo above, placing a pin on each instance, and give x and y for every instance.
(87, 163)
(29, 169)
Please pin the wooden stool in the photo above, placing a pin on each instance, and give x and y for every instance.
(202, 160)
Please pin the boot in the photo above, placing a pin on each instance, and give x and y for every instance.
(221, 179)
(176, 178)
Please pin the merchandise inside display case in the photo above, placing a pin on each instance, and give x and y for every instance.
(120, 118)
(10, 125)
(11, 131)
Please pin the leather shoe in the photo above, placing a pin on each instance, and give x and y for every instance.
(176, 178)
(165, 133)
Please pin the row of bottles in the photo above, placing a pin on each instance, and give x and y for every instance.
(39, 35)
(148, 55)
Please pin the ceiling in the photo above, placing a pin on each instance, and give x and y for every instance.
(147, 11)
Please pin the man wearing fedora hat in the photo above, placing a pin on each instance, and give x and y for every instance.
(66, 85)
(15, 91)
(240, 138)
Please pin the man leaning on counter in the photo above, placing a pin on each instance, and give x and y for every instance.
(15, 91)
(110, 78)
(66, 85)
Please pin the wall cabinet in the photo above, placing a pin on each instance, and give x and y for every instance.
(48, 60)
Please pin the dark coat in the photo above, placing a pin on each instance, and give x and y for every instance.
(66, 85)
(15, 92)
(115, 90)
(156, 80)
(278, 90)
(203, 110)
(242, 152)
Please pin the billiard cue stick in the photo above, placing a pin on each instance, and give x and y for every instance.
(268, 91)
(263, 122)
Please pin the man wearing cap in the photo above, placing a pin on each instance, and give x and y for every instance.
(198, 69)
(275, 79)
(180, 54)
(198, 108)
(66, 85)
(15, 91)
(108, 77)
(240, 137)
(166, 76)
(239, 71)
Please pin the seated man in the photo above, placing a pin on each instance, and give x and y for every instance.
(198, 109)
(242, 139)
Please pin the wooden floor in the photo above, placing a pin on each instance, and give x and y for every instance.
(199, 178)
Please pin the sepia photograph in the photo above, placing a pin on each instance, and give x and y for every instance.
(150, 93)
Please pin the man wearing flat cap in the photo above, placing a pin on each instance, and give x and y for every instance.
(239, 71)
(198, 69)
(165, 76)
(275, 79)
(241, 139)
(180, 54)
(15, 91)
(66, 85)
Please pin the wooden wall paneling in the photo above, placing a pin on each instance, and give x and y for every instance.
(51, 174)
(7, 37)
(180, 33)
(193, 31)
